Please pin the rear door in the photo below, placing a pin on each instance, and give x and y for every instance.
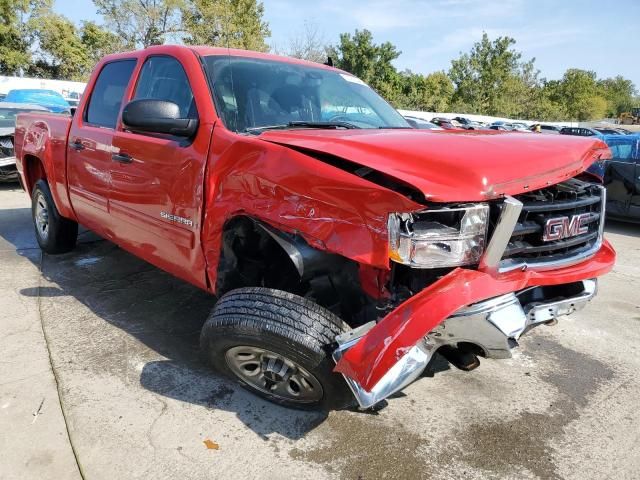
(89, 148)
(157, 189)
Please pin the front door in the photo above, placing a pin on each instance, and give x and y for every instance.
(157, 183)
(89, 149)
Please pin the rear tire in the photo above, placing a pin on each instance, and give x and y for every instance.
(276, 345)
(54, 233)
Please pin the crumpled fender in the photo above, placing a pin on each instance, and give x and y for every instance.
(332, 209)
(386, 343)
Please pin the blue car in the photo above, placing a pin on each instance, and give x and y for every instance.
(51, 100)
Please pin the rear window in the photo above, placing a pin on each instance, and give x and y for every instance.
(106, 98)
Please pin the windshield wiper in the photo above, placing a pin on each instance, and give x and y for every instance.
(336, 124)
(302, 124)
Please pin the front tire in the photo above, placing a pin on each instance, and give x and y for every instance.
(275, 344)
(54, 233)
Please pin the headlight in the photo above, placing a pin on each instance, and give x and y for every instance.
(446, 237)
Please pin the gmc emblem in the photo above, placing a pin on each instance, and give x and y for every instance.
(561, 227)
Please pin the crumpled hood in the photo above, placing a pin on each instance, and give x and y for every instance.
(454, 167)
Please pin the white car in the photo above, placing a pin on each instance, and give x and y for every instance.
(8, 112)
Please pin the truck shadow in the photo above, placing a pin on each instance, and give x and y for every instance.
(165, 314)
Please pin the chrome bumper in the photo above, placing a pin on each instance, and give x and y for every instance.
(493, 325)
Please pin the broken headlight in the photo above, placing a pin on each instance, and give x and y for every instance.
(446, 237)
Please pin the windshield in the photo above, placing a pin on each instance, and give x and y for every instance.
(8, 116)
(254, 93)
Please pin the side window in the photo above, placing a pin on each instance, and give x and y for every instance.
(163, 78)
(106, 97)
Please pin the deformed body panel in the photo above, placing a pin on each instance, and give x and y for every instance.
(386, 343)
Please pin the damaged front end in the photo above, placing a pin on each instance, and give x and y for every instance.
(516, 269)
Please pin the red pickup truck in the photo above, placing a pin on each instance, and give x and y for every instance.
(345, 247)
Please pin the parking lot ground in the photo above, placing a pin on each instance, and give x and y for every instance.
(121, 337)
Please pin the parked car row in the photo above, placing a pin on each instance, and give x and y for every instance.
(22, 101)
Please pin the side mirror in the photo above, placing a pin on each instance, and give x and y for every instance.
(157, 116)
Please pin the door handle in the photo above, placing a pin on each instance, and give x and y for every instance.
(77, 145)
(121, 157)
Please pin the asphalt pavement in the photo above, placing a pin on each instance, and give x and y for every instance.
(100, 378)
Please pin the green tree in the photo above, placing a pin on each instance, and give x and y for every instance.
(481, 75)
(431, 93)
(579, 94)
(620, 94)
(225, 23)
(99, 42)
(372, 63)
(64, 51)
(15, 54)
(61, 53)
(142, 23)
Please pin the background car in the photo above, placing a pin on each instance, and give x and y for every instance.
(621, 176)
(607, 131)
(580, 131)
(445, 123)
(467, 123)
(554, 129)
(8, 112)
(502, 124)
(422, 124)
(500, 127)
(51, 100)
(520, 127)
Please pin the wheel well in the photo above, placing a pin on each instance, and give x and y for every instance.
(33, 171)
(254, 254)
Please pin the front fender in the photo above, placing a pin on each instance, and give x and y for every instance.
(333, 210)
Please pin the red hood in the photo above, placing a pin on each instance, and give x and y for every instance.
(449, 167)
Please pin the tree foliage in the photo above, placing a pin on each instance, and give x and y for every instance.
(370, 62)
(225, 23)
(15, 55)
(141, 23)
(491, 79)
(307, 44)
(431, 93)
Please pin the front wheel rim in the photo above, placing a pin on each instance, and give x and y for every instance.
(273, 374)
(41, 217)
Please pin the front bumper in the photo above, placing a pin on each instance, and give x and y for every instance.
(474, 307)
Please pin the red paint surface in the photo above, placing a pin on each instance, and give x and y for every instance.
(369, 359)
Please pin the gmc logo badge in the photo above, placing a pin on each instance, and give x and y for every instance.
(563, 227)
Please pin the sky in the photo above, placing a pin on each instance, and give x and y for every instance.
(560, 34)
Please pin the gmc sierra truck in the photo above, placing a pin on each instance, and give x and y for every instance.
(345, 247)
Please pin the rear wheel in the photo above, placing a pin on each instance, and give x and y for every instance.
(277, 345)
(54, 233)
